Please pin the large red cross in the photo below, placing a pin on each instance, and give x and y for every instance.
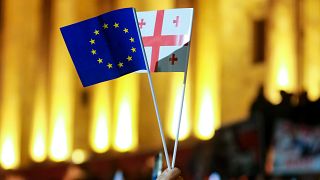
(158, 40)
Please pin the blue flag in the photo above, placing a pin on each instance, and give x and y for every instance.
(105, 47)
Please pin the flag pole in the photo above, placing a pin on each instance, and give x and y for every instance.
(164, 144)
(181, 104)
(180, 115)
(158, 117)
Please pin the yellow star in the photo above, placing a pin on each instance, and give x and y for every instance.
(133, 49)
(129, 58)
(120, 64)
(96, 32)
(100, 60)
(109, 65)
(116, 25)
(131, 39)
(92, 41)
(93, 51)
(105, 26)
(125, 30)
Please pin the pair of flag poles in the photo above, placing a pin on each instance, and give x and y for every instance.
(164, 144)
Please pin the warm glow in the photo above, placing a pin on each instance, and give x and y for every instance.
(99, 133)
(12, 72)
(62, 87)
(100, 140)
(311, 48)
(174, 110)
(10, 116)
(10, 126)
(283, 77)
(38, 151)
(282, 68)
(206, 125)
(59, 146)
(126, 112)
(207, 100)
(79, 156)
(8, 155)
(124, 140)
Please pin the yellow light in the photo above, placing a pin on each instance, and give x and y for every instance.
(8, 155)
(10, 117)
(99, 133)
(59, 146)
(126, 102)
(174, 110)
(283, 78)
(311, 44)
(100, 142)
(206, 125)
(79, 156)
(282, 68)
(62, 87)
(12, 71)
(124, 140)
(207, 104)
(10, 126)
(38, 151)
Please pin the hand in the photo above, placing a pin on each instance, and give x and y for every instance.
(173, 174)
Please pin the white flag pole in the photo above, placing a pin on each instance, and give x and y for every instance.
(164, 144)
(158, 117)
(182, 100)
(180, 114)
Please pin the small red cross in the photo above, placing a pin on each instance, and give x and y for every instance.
(173, 59)
(141, 23)
(176, 21)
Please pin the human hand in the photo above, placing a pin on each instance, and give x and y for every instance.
(172, 174)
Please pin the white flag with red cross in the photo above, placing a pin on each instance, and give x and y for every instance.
(166, 37)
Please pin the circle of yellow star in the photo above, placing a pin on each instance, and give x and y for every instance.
(131, 39)
(92, 41)
(125, 30)
(96, 32)
(93, 51)
(133, 49)
(100, 60)
(116, 25)
(109, 65)
(129, 58)
(120, 64)
(105, 26)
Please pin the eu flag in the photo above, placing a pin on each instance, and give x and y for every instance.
(105, 47)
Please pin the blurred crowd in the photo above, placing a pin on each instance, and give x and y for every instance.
(295, 107)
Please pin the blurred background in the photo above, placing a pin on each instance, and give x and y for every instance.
(236, 124)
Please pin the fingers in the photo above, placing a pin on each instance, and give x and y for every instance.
(173, 174)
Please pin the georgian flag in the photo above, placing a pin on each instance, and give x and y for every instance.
(166, 38)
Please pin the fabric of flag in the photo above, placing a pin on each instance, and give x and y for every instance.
(105, 47)
(166, 37)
